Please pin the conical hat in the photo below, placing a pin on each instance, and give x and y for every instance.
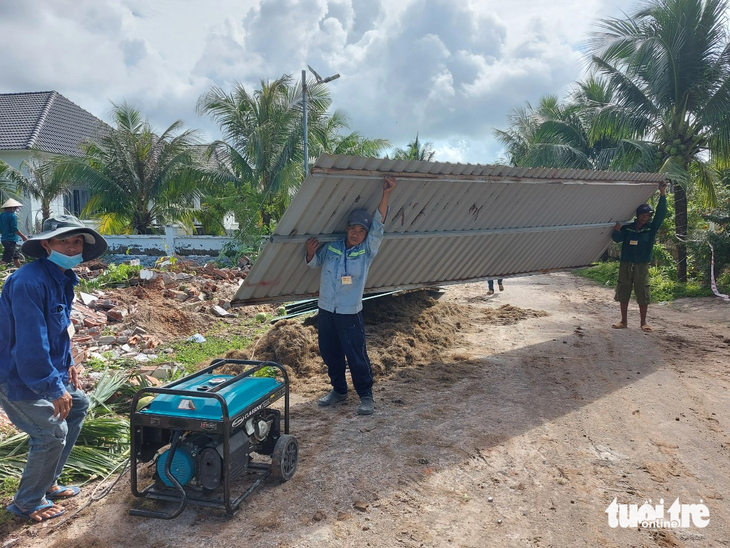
(12, 203)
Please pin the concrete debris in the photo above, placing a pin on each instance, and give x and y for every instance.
(220, 312)
(177, 295)
(86, 298)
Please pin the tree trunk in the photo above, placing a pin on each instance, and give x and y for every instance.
(265, 218)
(680, 223)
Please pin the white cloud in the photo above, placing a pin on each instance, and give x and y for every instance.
(450, 70)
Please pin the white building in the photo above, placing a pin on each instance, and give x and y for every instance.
(44, 124)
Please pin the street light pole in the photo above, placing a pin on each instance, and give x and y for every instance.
(304, 122)
(320, 80)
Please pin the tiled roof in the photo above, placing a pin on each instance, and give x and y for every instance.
(45, 121)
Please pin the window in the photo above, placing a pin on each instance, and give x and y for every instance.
(75, 201)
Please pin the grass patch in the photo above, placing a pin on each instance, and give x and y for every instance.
(664, 285)
(192, 354)
(8, 487)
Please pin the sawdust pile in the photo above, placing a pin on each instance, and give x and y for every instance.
(407, 330)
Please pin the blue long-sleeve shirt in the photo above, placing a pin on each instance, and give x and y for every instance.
(337, 261)
(35, 347)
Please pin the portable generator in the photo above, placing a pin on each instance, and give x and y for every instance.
(202, 430)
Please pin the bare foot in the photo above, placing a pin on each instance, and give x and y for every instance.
(47, 513)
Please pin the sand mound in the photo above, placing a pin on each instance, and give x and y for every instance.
(407, 330)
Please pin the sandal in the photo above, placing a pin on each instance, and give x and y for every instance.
(646, 327)
(16, 511)
(619, 325)
(61, 492)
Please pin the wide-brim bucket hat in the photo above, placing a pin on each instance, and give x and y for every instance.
(65, 226)
(11, 203)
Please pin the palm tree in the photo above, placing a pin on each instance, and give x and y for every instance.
(262, 137)
(43, 180)
(7, 187)
(549, 135)
(668, 65)
(561, 134)
(137, 178)
(415, 151)
(329, 138)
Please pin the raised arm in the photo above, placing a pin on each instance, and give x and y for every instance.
(388, 186)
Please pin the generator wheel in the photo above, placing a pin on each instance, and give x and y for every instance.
(285, 457)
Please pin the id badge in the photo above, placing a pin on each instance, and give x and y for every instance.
(346, 280)
(71, 330)
(633, 242)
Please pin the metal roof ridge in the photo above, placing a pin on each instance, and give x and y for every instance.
(42, 119)
(344, 163)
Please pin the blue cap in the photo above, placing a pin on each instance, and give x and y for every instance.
(644, 208)
(360, 217)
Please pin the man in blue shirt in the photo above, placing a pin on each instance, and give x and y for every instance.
(39, 383)
(10, 235)
(345, 264)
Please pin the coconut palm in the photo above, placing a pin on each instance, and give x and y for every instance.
(549, 135)
(262, 137)
(7, 187)
(41, 179)
(330, 138)
(668, 65)
(560, 134)
(137, 178)
(415, 150)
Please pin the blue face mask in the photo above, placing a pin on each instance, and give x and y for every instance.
(64, 261)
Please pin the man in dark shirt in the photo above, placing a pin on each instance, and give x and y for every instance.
(637, 245)
(39, 383)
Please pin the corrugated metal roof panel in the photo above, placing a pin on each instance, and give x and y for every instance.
(448, 223)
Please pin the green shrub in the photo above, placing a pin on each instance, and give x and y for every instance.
(663, 280)
(114, 275)
(602, 273)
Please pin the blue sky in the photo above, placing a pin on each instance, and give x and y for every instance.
(451, 70)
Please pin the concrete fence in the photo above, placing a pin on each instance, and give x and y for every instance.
(169, 243)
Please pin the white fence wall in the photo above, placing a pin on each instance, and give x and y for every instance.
(170, 243)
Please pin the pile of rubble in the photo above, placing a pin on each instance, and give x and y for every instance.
(110, 323)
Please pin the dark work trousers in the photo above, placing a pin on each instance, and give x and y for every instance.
(343, 336)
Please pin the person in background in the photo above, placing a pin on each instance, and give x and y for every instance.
(39, 383)
(345, 264)
(491, 286)
(10, 233)
(637, 245)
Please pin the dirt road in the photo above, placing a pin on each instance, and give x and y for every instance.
(522, 436)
